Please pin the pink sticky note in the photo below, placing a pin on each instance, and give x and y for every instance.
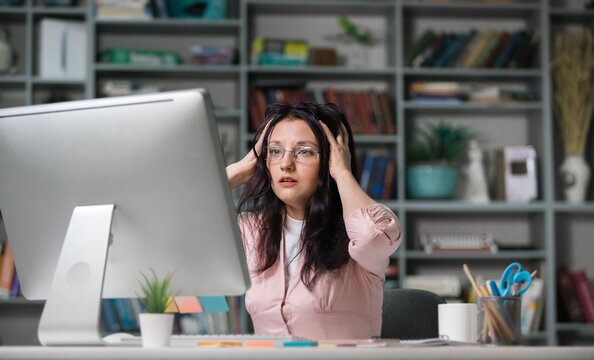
(171, 307)
(188, 304)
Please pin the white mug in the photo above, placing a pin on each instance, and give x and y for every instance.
(458, 322)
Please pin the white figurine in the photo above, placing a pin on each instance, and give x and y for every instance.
(475, 190)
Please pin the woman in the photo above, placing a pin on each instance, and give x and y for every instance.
(317, 245)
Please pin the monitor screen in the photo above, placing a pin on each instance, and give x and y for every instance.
(156, 158)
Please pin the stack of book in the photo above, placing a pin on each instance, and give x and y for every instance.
(458, 242)
(377, 175)
(123, 9)
(576, 296)
(126, 87)
(437, 92)
(367, 111)
(212, 54)
(277, 52)
(453, 92)
(9, 282)
(475, 49)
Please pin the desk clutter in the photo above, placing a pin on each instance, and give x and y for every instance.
(193, 315)
(499, 305)
(274, 341)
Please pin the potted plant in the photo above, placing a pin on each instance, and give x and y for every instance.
(155, 324)
(573, 80)
(431, 172)
(357, 40)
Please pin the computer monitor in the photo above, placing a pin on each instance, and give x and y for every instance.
(94, 192)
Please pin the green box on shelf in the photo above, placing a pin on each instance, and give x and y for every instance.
(201, 9)
(140, 57)
(281, 60)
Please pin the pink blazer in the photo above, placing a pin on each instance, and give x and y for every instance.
(346, 304)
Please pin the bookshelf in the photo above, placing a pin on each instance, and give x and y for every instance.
(547, 231)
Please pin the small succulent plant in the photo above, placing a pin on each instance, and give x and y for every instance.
(156, 293)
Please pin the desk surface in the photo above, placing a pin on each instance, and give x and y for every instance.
(392, 353)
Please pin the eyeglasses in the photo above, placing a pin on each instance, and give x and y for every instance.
(301, 154)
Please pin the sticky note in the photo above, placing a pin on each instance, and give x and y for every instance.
(212, 304)
(300, 343)
(188, 304)
(260, 343)
(171, 307)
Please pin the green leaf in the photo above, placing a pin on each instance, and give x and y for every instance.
(439, 142)
(156, 293)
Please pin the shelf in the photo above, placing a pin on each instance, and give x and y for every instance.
(320, 7)
(467, 8)
(561, 13)
(376, 139)
(577, 327)
(59, 11)
(158, 71)
(459, 206)
(323, 71)
(50, 82)
(12, 14)
(13, 79)
(168, 26)
(539, 335)
(466, 106)
(501, 255)
(227, 113)
(570, 208)
(479, 73)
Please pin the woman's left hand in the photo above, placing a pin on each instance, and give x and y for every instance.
(340, 156)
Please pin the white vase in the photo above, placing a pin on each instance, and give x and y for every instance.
(156, 329)
(575, 177)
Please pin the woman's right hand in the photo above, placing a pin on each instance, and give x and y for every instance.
(241, 172)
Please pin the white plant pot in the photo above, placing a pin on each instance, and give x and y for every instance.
(156, 329)
(575, 177)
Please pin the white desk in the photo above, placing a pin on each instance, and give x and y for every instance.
(393, 353)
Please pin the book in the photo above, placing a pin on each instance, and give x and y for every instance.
(532, 306)
(584, 293)
(424, 41)
(569, 304)
(109, 316)
(7, 270)
(377, 179)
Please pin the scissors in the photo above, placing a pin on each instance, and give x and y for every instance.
(514, 280)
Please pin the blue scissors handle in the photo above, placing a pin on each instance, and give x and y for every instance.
(514, 280)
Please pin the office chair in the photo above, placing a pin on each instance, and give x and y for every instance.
(410, 314)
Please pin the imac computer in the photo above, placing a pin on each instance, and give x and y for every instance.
(95, 192)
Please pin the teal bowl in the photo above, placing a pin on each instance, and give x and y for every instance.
(431, 181)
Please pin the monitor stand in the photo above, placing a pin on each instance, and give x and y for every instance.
(71, 315)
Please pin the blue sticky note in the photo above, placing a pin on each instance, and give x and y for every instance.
(212, 304)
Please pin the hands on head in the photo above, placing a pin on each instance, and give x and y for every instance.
(240, 172)
(340, 156)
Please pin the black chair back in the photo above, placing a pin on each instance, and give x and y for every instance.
(410, 314)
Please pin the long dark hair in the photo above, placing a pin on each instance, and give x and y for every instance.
(324, 237)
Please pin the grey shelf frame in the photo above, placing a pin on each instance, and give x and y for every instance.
(396, 75)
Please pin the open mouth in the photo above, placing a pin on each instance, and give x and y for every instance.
(287, 180)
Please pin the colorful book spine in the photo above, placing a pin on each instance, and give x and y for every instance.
(569, 304)
(6, 270)
(585, 295)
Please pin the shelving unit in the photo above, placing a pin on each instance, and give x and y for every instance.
(555, 232)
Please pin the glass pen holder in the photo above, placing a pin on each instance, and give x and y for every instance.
(498, 321)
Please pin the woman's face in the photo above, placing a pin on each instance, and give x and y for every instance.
(294, 178)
